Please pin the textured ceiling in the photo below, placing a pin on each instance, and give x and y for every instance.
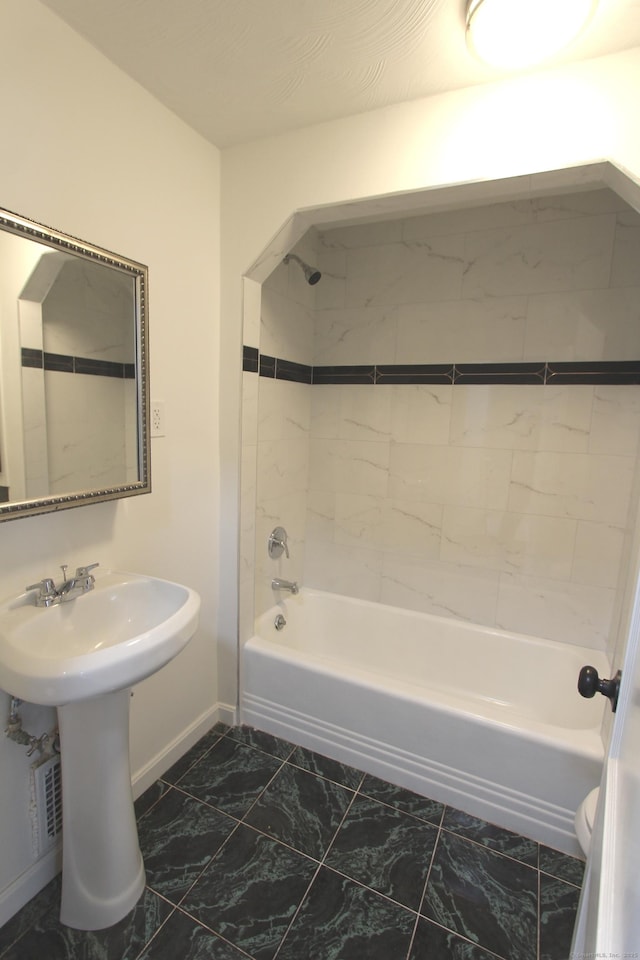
(236, 70)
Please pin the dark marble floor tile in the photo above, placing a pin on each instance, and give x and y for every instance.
(562, 866)
(385, 849)
(403, 799)
(181, 938)
(495, 838)
(230, 776)
(49, 939)
(483, 896)
(434, 943)
(262, 741)
(197, 751)
(250, 892)
(326, 767)
(558, 908)
(301, 809)
(340, 920)
(151, 795)
(178, 838)
(46, 901)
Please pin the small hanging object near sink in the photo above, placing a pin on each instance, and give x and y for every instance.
(589, 683)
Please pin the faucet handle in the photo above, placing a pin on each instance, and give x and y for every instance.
(45, 586)
(277, 543)
(84, 571)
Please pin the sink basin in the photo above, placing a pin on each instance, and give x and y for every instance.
(83, 656)
(110, 638)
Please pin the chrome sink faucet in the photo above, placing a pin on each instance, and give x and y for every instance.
(50, 595)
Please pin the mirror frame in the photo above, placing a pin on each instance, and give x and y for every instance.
(29, 229)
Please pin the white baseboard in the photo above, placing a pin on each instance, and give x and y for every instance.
(17, 893)
(29, 883)
(165, 758)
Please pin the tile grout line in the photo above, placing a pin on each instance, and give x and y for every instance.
(426, 882)
(162, 925)
(318, 868)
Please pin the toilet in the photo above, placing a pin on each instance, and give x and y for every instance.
(585, 816)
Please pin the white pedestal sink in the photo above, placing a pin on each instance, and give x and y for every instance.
(83, 656)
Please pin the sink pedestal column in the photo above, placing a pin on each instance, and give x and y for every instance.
(102, 868)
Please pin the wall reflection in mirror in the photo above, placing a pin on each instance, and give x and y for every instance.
(73, 416)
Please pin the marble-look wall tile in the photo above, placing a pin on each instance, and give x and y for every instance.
(420, 413)
(481, 330)
(522, 417)
(284, 409)
(626, 250)
(321, 512)
(349, 571)
(445, 589)
(468, 219)
(349, 466)
(582, 203)
(567, 612)
(331, 292)
(365, 413)
(283, 468)
(574, 485)
(539, 257)
(406, 272)
(591, 324)
(354, 335)
(361, 235)
(510, 542)
(385, 524)
(461, 476)
(598, 554)
(286, 328)
(615, 421)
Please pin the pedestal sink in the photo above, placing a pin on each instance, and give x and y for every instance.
(83, 657)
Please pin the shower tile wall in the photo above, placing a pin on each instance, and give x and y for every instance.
(504, 504)
(283, 422)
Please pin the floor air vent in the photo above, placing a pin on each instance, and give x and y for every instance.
(46, 803)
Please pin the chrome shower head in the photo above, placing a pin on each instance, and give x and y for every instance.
(311, 274)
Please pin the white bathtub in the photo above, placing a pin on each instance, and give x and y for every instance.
(486, 721)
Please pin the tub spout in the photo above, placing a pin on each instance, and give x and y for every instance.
(278, 584)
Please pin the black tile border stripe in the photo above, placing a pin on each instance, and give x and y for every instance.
(294, 372)
(64, 363)
(474, 373)
(344, 374)
(614, 372)
(620, 372)
(250, 359)
(415, 373)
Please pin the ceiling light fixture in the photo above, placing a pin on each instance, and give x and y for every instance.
(518, 33)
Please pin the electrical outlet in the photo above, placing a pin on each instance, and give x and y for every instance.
(157, 418)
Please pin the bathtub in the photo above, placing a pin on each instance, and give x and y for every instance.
(484, 720)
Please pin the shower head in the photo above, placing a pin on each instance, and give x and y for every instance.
(311, 275)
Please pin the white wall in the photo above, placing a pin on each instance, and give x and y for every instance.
(87, 151)
(562, 118)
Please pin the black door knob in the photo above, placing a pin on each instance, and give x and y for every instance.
(589, 683)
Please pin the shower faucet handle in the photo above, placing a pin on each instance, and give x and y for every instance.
(277, 543)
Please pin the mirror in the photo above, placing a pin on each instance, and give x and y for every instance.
(73, 372)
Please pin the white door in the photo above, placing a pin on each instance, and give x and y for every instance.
(608, 923)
